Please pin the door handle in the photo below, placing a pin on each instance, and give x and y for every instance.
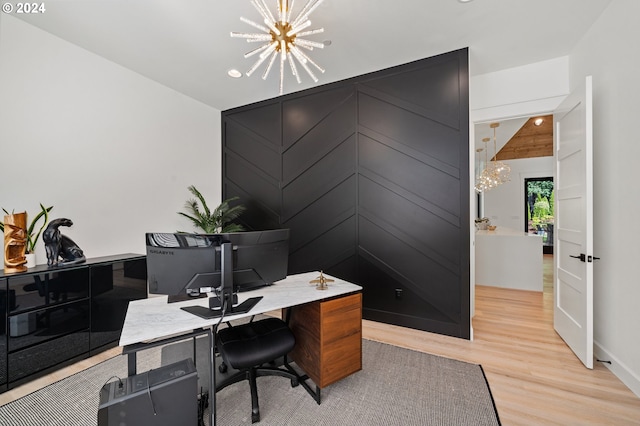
(584, 258)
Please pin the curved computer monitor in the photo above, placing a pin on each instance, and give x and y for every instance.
(183, 265)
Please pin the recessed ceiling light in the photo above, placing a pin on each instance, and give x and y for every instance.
(464, 1)
(234, 73)
(538, 121)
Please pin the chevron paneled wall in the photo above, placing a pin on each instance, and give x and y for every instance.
(371, 175)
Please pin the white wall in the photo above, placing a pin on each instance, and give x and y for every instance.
(504, 205)
(109, 149)
(609, 53)
(519, 92)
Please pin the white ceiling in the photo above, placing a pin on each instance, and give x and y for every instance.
(185, 44)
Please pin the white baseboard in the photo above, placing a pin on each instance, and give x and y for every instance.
(619, 369)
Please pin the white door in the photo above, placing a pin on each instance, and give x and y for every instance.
(573, 245)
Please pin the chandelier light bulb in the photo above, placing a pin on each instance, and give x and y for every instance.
(271, 61)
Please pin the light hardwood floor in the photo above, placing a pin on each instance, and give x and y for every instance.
(534, 377)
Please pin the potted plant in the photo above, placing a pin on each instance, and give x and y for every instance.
(32, 235)
(220, 220)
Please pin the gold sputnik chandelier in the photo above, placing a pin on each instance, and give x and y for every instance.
(495, 172)
(283, 37)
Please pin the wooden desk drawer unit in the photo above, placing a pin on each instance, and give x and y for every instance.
(328, 338)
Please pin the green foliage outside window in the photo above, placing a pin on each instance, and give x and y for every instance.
(540, 214)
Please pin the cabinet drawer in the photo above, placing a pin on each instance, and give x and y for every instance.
(35, 327)
(37, 358)
(35, 291)
(341, 304)
(341, 318)
(341, 358)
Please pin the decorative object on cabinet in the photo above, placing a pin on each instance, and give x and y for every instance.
(32, 237)
(220, 220)
(15, 242)
(283, 38)
(60, 246)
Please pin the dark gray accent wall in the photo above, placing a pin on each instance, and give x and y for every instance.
(371, 175)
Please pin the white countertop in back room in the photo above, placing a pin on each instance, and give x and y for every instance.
(506, 232)
(509, 258)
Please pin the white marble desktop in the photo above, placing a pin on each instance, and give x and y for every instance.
(154, 318)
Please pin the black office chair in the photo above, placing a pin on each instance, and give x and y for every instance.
(248, 347)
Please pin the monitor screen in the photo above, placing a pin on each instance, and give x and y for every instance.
(181, 264)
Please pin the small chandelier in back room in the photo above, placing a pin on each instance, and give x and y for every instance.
(495, 172)
(282, 37)
(485, 181)
(499, 170)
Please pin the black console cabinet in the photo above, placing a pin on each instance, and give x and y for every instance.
(52, 317)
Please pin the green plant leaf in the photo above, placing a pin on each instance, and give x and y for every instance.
(232, 228)
(216, 221)
(200, 197)
(31, 239)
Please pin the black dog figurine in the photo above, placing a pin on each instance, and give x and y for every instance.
(60, 246)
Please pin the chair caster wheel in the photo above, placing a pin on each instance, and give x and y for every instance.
(294, 383)
(255, 417)
(222, 368)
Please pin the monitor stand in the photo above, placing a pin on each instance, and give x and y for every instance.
(184, 296)
(208, 313)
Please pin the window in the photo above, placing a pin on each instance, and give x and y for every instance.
(538, 206)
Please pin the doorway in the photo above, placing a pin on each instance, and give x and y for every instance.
(512, 196)
(538, 213)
